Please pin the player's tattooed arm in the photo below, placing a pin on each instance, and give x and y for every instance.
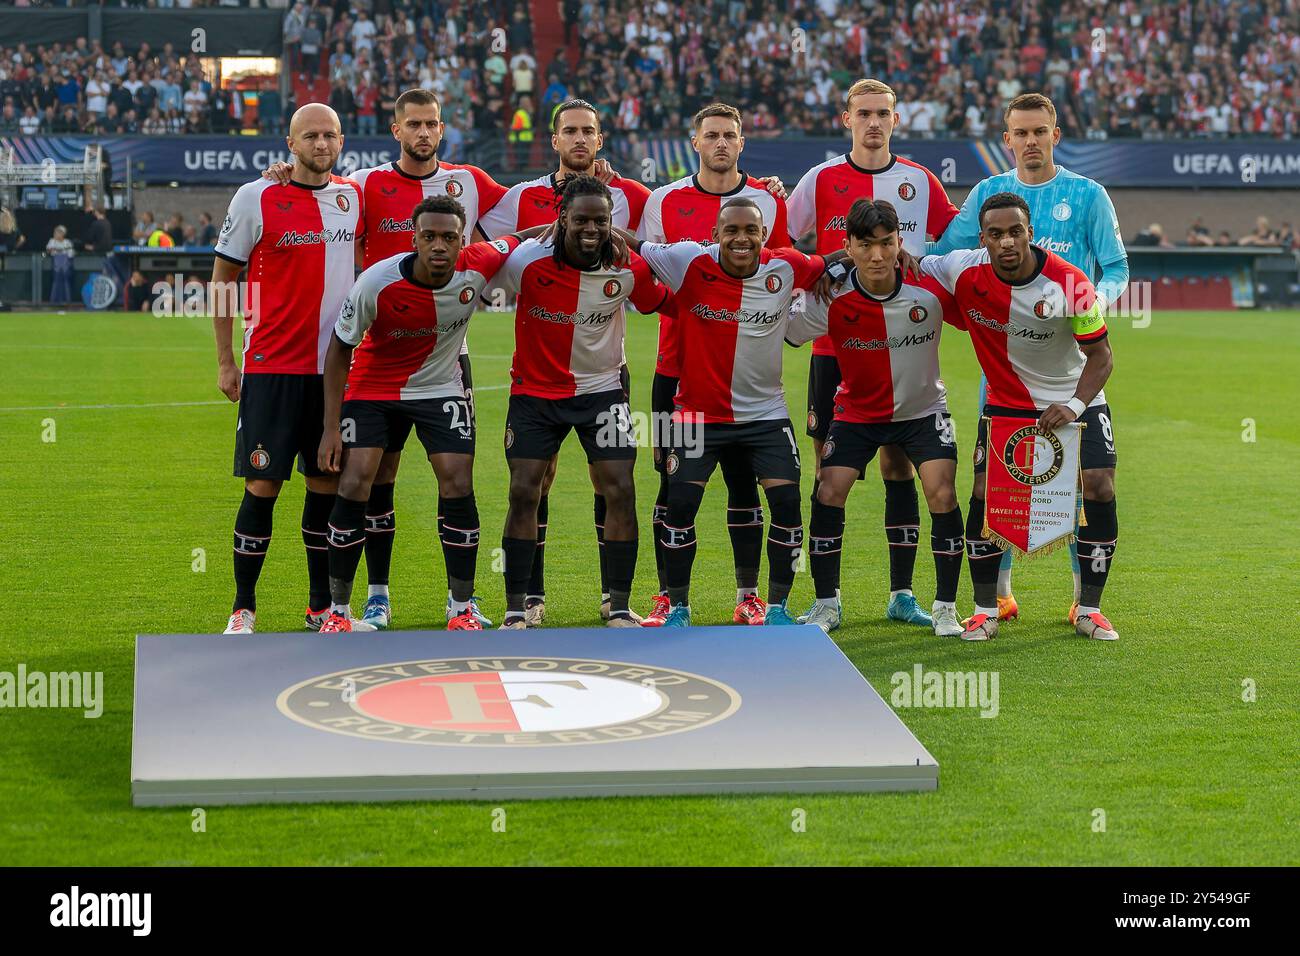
(338, 359)
(1097, 365)
(279, 173)
(224, 273)
(774, 185)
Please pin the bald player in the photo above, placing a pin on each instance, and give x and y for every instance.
(298, 242)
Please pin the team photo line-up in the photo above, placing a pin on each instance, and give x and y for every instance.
(336, 372)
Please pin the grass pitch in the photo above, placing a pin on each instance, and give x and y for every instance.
(117, 452)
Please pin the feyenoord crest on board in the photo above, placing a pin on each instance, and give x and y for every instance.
(1031, 484)
(577, 712)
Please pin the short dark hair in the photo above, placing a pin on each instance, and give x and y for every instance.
(443, 205)
(572, 105)
(867, 215)
(416, 97)
(741, 202)
(1005, 201)
(717, 109)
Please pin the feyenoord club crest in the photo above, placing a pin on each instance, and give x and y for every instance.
(828, 448)
(918, 313)
(454, 188)
(508, 701)
(906, 191)
(342, 200)
(510, 436)
(812, 419)
(612, 288)
(259, 458)
(466, 295)
(1061, 211)
(1031, 484)
(672, 464)
(1032, 456)
(1042, 309)
(773, 283)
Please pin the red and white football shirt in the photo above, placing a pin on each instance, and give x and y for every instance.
(887, 347)
(822, 200)
(390, 195)
(1027, 335)
(299, 244)
(569, 323)
(684, 210)
(407, 335)
(537, 203)
(731, 330)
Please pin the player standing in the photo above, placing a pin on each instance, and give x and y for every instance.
(577, 139)
(886, 331)
(1040, 337)
(1072, 216)
(299, 244)
(567, 374)
(731, 306)
(688, 209)
(389, 193)
(821, 203)
(406, 319)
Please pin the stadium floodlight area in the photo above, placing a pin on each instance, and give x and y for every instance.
(424, 715)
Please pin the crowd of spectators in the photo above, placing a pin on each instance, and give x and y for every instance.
(173, 230)
(1113, 67)
(82, 88)
(477, 56)
(1199, 234)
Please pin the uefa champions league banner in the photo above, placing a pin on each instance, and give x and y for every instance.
(1115, 163)
(192, 160)
(232, 160)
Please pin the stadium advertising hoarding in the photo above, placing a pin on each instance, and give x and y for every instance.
(233, 160)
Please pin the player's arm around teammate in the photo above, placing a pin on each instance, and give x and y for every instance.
(885, 329)
(406, 318)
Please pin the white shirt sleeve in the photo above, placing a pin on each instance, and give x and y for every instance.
(801, 206)
(243, 226)
(670, 260)
(806, 323)
(502, 218)
(651, 228)
(357, 313)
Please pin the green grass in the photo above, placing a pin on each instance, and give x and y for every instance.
(99, 528)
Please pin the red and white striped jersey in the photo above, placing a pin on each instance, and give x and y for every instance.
(887, 347)
(389, 196)
(684, 210)
(537, 203)
(407, 335)
(731, 330)
(1027, 335)
(569, 323)
(824, 195)
(299, 243)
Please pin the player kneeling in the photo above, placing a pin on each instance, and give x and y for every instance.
(885, 329)
(406, 319)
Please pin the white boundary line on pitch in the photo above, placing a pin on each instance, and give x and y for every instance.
(65, 408)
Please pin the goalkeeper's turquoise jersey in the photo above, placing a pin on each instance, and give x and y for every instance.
(1071, 215)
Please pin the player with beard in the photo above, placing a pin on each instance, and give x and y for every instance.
(566, 374)
(820, 204)
(577, 140)
(395, 354)
(688, 209)
(298, 242)
(390, 192)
